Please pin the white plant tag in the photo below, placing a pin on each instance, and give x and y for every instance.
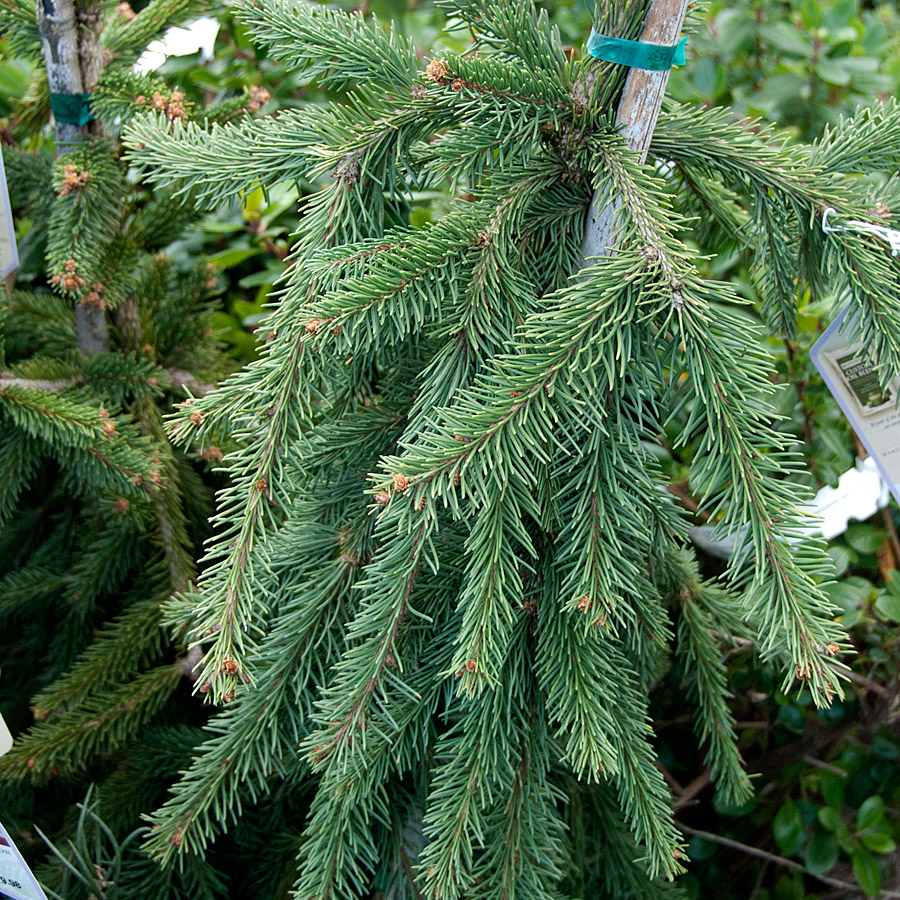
(5, 737)
(850, 373)
(9, 254)
(16, 880)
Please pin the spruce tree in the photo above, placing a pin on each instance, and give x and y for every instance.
(446, 573)
(100, 516)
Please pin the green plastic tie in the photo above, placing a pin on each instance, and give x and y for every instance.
(636, 54)
(73, 109)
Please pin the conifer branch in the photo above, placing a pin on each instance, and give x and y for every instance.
(66, 743)
(244, 750)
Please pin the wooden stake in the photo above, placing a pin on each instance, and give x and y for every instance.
(636, 117)
(73, 64)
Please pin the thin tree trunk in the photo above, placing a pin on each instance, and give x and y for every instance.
(73, 64)
(636, 117)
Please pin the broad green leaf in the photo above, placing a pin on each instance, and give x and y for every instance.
(788, 830)
(830, 818)
(821, 853)
(832, 787)
(865, 538)
(879, 843)
(871, 810)
(868, 875)
(888, 606)
(228, 258)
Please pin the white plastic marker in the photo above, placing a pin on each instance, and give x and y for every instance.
(860, 493)
(850, 372)
(5, 737)
(9, 254)
(16, 880)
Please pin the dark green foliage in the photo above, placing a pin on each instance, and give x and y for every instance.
(445, 692)
(514, 597)
(101, 516)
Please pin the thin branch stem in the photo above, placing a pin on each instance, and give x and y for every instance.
(778, 860)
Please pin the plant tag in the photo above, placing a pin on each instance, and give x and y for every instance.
(5, 737)
(9, 254)
(850, 373)
(16, 880)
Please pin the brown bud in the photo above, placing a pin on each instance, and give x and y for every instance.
(197, 417)
(312, 326)
(121, 506)
(401, 482)
(205, 688)
(108, 428)
(230, 667)
(584, 602)
(457, 84)
(437, 71)
(470, 665)
(382, 498)
(91, 298)
(832, 649)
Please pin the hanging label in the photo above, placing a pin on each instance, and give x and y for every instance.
(9, 255)
(16, 880)
(850, 373)
(5, 737)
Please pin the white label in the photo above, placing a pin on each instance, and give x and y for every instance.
(9, 255)
(5, 738)
(16, 880)
(849, 371)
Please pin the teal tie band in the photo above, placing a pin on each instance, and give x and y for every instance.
(635, 54)
(73, 109)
